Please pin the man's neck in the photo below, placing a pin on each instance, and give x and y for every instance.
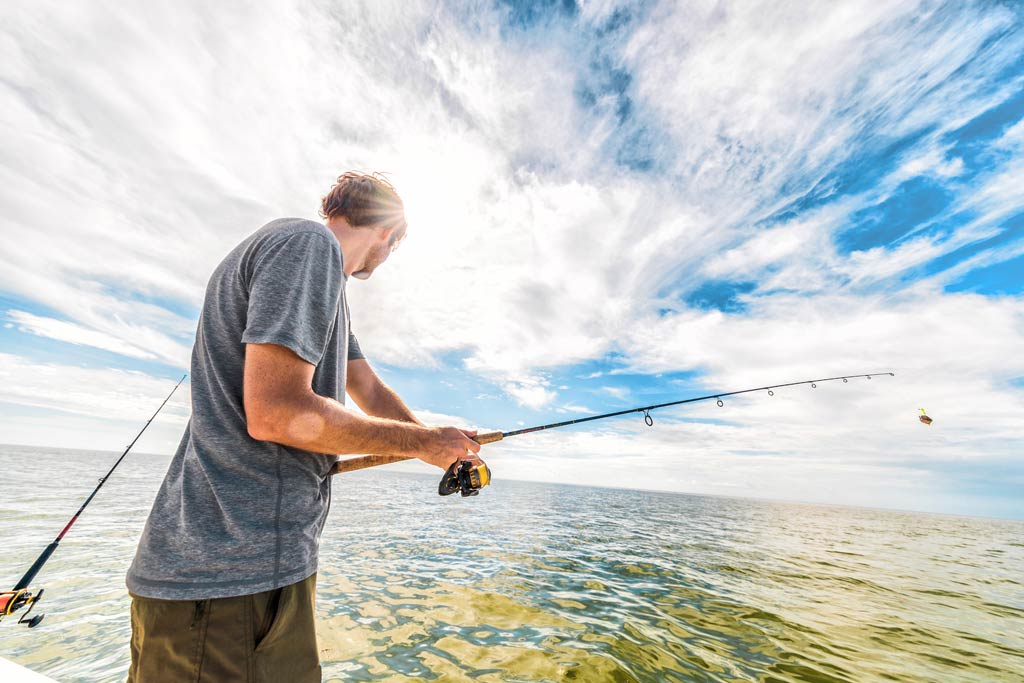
(353, 246)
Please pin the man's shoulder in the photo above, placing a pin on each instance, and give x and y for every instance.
(299, 232)
(286, 227)
(250, 252)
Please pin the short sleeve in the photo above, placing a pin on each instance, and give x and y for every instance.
(354, 352)
(294, 293)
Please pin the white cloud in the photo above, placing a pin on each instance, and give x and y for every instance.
(96, 392)
(74, 334)
(782, 94)
(531, 392)
(573, 408)
(618, 392)
(527, 250)
(139, 147)
(80, 407)
(801, 253)
(961, 336)
(932, 161)
(795, 238)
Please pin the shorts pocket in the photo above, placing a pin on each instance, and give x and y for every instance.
(266, 615)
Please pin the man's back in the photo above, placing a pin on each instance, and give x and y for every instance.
(234, 515)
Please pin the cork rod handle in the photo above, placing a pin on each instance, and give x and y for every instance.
(488, 437)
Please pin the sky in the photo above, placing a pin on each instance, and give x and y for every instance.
(611, 204)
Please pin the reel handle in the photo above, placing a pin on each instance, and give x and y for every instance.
(14, 600)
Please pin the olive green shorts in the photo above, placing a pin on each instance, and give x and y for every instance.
(261, 638)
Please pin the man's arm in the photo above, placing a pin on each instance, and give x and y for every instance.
(373, 396)
(281, 406)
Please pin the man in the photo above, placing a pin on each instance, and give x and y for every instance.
(224, 577)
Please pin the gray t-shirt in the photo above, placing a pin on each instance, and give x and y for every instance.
(236, 516)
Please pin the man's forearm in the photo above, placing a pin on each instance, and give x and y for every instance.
(322, 425)
(384, 402)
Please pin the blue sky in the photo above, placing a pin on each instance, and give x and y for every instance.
(611, 204)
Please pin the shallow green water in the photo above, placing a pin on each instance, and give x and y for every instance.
(533, 582)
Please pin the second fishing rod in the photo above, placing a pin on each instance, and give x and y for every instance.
(468, 477)
(21, 597)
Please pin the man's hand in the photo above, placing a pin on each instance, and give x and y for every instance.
(444, 445)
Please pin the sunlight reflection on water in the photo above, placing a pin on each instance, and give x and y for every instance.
(537, 582)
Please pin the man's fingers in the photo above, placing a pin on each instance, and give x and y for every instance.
(456, 444)
(472, 445)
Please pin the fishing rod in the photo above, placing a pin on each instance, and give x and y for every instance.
(469, 478)
(20, 596)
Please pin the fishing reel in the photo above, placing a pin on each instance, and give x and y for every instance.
(466, 477)
(12, 601)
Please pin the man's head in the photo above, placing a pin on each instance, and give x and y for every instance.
(368, 216)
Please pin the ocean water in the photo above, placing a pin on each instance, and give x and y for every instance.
(542, 582)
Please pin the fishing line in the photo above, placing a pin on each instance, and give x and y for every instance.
(468, 478)
(19, 597)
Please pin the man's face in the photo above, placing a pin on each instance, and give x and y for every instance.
(379, 254)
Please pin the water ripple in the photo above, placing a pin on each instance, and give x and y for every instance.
(535, 582)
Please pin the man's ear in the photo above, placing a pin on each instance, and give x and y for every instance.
(384, 234)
